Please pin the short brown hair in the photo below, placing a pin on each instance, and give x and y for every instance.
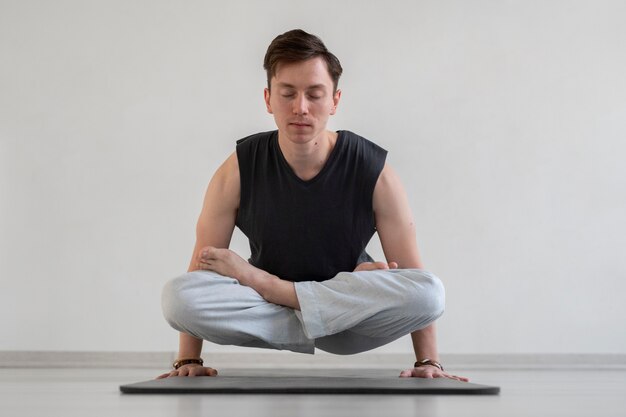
(296, 46)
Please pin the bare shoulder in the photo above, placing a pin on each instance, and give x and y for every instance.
(224, 189)
(390, 202)
(394, 220)
(229, 170)
(387, 176)
(219, 211)
(226, 178)
(388, 187)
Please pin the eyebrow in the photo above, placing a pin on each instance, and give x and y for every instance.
(311, 87)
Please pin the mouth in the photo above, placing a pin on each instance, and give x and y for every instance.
(300, 124)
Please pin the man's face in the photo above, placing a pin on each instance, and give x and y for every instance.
(302, 99)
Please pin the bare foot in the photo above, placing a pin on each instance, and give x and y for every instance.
(270, 287)
(228, 263)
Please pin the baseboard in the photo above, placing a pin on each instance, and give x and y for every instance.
(274, 359)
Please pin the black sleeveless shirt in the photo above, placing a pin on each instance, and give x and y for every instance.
(308, 230)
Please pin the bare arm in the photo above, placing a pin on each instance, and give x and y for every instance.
(396, 230)
(215, 227)
(219, 211)
(394, 221)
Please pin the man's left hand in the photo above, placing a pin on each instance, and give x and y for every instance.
(429, 371)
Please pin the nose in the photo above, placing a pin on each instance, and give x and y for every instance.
(300, 105)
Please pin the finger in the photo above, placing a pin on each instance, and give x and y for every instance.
(366, 266)
(162, 376)
(456, 377)
(212, 372)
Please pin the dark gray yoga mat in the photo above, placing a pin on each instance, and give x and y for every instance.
(306, 385)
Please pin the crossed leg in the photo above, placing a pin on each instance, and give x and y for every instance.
(227, 263)
(353, 312)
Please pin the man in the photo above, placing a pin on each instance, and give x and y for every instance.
(309, 200)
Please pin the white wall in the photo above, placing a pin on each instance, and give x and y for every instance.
(505, 119)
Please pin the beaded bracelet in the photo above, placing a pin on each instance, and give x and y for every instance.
(181, 362)
(428, 362)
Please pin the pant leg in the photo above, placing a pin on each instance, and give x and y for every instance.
(212, 307)
(358, 311)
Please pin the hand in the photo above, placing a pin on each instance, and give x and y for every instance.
(373, 266)
(429, 371)
(191, 369)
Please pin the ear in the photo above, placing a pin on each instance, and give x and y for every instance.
(336, 98)
(266, 95)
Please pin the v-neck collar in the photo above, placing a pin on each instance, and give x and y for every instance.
(329, 162)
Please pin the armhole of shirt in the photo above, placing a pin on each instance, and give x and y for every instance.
(244, 195)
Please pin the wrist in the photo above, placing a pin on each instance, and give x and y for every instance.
(428, 362)
(186, 361)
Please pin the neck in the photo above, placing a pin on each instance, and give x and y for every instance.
(307, 159)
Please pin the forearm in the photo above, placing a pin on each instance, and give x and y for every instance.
(189, 346)
(425, 343)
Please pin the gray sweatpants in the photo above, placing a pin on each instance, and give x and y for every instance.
(350, 313)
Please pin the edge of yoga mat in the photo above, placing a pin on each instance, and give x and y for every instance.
(306, 385)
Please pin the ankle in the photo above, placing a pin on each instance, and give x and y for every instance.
(265, 284)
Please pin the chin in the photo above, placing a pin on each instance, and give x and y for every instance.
(301, 136)
(295, 138)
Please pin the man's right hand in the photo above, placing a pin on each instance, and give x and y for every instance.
(374, 266)
(191, 369)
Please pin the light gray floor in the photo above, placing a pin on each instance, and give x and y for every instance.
(94, 392)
